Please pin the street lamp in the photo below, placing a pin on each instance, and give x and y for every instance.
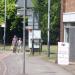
(24, 37)
(4, 37)
(21, 11)
(49, 2)
(33, 34)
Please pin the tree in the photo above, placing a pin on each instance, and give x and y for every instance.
(42, 7)
(1, 11)
(10, 9)
(13, 22)
(55, 20)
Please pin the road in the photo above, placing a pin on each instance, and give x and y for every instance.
(13, 65)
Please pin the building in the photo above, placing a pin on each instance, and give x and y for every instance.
(67, 25)
(30, 12)
(33, 19)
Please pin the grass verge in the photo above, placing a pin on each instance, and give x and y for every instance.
(44, 54)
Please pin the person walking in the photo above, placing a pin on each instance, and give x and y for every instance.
(19, 44)
(14, 43)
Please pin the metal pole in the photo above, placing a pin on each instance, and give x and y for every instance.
(4, 37)
(24, 38)
(49, 28)
(33, 35)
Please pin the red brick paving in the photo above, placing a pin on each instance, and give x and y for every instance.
(4, 54)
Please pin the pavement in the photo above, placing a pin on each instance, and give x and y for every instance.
(3, 55)
(70, 67)
(36, 66)
(12, 64)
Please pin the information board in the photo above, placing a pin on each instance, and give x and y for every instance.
(37, 35)
(63, 53)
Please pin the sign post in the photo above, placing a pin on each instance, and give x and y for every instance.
(49, 2)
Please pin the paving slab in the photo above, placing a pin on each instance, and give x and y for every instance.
(36, 66)
(33, 66)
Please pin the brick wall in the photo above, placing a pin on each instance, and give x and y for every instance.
(69, 5)
(66, 6)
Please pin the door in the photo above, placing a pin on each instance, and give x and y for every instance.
(72, 43)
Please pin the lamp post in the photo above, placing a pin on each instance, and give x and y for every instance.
(48, 28)
(22, 12)
(33, 35)
(24, 37)
(4, 37)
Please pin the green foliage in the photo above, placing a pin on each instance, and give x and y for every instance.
(42, 7)
(10, 11)
(1, 11)
(55, 20)
(13, 22)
